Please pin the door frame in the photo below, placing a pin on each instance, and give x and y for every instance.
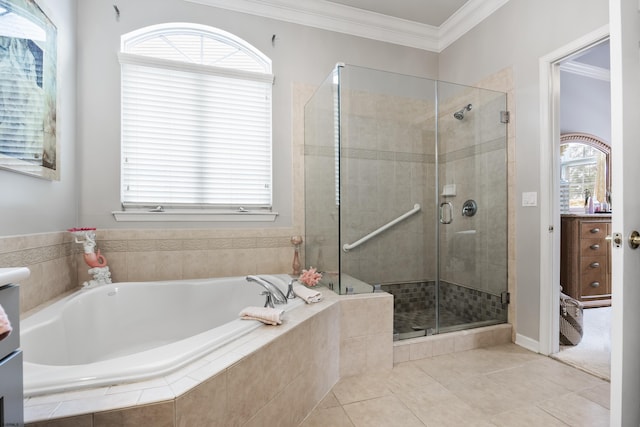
(549, 194)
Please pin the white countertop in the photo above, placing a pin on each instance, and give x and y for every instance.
(13, 275)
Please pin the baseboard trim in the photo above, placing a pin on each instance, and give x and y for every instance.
(528, 343)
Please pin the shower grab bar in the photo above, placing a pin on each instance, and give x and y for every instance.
(347, 247)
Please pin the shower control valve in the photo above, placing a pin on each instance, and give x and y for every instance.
(469, 208)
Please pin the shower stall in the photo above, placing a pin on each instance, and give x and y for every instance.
(406, 192)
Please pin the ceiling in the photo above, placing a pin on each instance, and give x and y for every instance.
(428, 12)
(596, 56)
(592, 62)
(423, 24)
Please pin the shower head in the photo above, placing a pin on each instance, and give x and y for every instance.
(460, 114)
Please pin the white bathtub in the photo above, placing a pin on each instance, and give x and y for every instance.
(125, 332)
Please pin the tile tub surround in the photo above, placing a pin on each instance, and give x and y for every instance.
(57, 266)
(289, 368)
(51, 259)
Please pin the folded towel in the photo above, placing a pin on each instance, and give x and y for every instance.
(5, 325)
(307, 294)
(268, 315)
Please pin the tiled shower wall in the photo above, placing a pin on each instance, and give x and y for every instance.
(385, 160)
(389, 154)
(473, 250)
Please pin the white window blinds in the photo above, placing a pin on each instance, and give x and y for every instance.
(196, 120)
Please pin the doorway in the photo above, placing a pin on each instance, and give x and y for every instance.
(584, 189)
(552, 126)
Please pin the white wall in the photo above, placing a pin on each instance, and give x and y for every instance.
(34, 205)
(300, 54)
(585, 105)
(516, 36)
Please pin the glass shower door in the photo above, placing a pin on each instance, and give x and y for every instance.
(472, 207)
(380, 144)
(387, 174)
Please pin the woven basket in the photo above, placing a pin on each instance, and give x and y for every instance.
(571, 320)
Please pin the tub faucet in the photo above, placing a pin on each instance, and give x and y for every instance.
(290, 293)
(272, 292)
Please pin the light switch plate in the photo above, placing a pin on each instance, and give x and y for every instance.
(530, 199)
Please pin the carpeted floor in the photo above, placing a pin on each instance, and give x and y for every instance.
(593, 354)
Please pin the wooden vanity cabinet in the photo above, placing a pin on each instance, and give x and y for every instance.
(585, 258)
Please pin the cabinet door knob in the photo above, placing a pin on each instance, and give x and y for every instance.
(595, 284)
(594, 265)
(595, 230)
(595, 246)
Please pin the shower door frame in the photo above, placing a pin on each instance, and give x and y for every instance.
(430, 106)
(443, 226)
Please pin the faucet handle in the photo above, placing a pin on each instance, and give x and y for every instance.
(268, 302)
(290, 293)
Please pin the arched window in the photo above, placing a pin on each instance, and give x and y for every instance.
(585, 171)
(196, 119)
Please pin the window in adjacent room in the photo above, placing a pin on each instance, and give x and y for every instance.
(196, 120)
(585, 172)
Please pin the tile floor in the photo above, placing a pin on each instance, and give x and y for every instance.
(504, 385)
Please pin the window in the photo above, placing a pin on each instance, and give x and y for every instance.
(584, 161)
(196, 120)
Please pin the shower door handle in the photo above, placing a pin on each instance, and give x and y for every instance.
(446, 219)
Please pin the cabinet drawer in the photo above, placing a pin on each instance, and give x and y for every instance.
(594, 283)
(593, 263)
(593, 247)
(593, 230)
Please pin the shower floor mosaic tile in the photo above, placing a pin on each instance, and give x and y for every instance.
(414, 306)
(503, 386)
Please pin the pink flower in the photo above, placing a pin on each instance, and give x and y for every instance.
(310, 277)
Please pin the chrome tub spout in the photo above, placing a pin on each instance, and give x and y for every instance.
(273, 293)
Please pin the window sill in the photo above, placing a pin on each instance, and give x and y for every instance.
(194, 216)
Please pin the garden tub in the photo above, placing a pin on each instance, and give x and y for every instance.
(127, 332)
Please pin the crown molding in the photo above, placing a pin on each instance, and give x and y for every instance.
(357, 22)
(464, 19)
(585, 70)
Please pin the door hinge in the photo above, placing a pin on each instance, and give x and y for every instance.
(504, 117)
(505, 297)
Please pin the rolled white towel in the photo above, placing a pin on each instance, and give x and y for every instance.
(268, 315)
(307, 294)
(5, 324)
